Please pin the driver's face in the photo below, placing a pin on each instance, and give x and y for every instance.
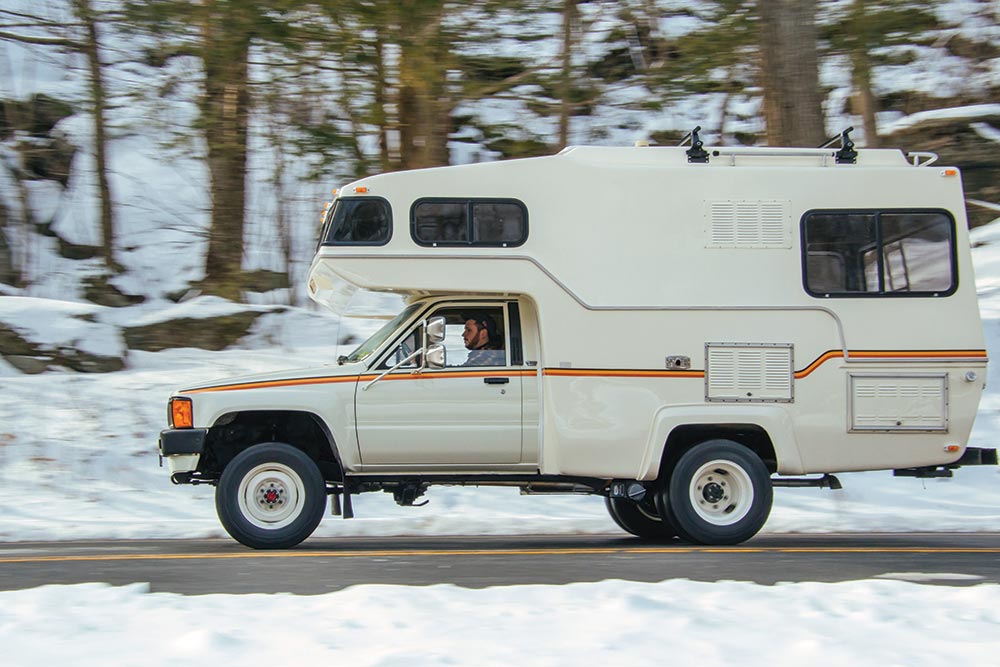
(472, 335)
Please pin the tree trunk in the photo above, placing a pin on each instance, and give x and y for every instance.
(91, 49)
(424, 103)
(867, 106)
(566, 77)
(381, 118)
(793, 107)
(225, 115)
(861, 74)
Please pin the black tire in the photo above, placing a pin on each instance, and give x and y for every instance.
(641, 519)
(270, 496)
(719, 493)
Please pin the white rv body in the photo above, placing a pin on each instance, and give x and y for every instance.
(625, 268)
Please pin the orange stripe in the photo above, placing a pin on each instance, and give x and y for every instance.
(275, 383)
(942, 355)
(363, 378)
(567, 372)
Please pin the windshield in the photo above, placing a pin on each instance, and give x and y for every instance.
(380, 336)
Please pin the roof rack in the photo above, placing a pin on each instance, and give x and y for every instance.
(697, 151)
(846, 154)
(927, 157)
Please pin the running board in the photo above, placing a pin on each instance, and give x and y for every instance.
(827, 481)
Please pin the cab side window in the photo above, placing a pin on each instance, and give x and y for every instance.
(475, 336)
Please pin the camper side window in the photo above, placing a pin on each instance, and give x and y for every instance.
(358, 221)
(879, 253)
(469, 222)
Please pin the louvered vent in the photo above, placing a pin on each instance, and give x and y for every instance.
(899, 402)
(749, 224)
(748, 372)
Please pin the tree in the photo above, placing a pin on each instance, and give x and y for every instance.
(222, 35)
(861, 28)
(789, 72)
(570, 18)
(90, 48)
(82, 38)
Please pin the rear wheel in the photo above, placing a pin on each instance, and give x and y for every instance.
(639, 518)
(270, 496)
(719, 493)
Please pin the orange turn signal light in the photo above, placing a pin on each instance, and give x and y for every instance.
(181, 413)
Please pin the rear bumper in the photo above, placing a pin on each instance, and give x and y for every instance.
(182, 448)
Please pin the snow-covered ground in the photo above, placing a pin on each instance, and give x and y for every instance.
(607, 623)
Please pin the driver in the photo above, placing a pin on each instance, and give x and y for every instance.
(481, 339)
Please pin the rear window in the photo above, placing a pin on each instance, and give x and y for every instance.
(358, 221)
(879, 253)
(498, 223)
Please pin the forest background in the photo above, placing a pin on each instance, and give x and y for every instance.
(155, 152)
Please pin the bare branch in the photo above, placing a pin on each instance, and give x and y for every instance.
(44, 41)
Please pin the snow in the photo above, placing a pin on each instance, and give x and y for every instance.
(609, 622)
(964, 113)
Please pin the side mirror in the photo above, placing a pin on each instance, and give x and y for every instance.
(435, 330)
(435, 355)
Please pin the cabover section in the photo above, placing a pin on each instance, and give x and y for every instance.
(828, 307)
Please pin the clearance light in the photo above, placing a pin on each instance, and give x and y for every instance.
(335, 191)
(952, 449)
(361, 189)
(949, 172)
(181, 413)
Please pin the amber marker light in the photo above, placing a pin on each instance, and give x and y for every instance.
(181, 413)
(361, 190)
(949, 172)
(952, 449)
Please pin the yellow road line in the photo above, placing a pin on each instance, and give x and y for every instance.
(497, 552)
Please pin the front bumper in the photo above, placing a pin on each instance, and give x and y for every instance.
(182, 448)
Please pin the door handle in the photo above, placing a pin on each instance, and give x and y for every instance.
(496, 380)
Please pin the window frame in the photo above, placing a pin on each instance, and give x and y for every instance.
(880, 246)
(328, 223)
(469, 203)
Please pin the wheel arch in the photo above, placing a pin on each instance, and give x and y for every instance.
(684, 438)
(235, 431)
(767, 430)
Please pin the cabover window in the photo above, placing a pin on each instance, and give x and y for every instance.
(473, 222)
(358, 221)
(879, 253)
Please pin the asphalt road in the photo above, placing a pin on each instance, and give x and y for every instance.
(322, 565)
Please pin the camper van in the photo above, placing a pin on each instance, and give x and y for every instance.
(678, 330)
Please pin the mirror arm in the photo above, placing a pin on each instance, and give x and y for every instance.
(409, 358)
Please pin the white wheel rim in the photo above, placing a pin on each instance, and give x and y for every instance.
(721, 492)
(271, 496)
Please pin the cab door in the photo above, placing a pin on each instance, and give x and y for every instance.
(460, 415)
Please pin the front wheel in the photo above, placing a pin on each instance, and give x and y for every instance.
(719, 493)
(270, 496)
